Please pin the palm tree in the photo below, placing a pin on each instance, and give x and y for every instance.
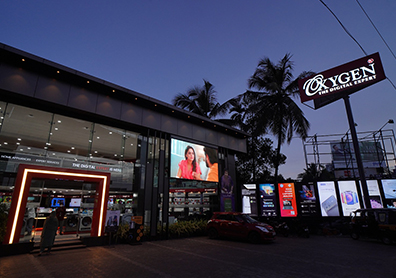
(201, 101)
(274, 107)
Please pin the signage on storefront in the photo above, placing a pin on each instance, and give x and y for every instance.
(343, 80)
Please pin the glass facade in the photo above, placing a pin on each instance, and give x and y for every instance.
(34, 137)
(139, 165)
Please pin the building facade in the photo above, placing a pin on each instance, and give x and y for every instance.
(75, 128)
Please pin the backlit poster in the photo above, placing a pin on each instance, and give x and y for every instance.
(287, 199)
(389, 187)
(267, 199)
(306, 193)
(249, 203)
(374, 193)
(349, 197)
(328, 198)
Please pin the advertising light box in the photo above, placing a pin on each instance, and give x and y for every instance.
(389, 187)
(249, 203)
(349, 197)
(287, 200)
(267, 199)
(307, 197)
(374, 193)
(328, 198)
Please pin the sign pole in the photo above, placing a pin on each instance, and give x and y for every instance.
(357, 152)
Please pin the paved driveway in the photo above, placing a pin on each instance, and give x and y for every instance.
(317, 256)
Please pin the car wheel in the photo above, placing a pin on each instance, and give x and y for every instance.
(254, 237)
(355, 235)
(213, 233)
(386, 239)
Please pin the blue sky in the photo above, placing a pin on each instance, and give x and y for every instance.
(161, 48)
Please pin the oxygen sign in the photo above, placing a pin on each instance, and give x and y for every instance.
(346, 79)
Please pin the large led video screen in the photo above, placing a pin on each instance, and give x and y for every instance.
(267, 199)
(328, 198)
(349, 197)
(374, 193)
(287, 200)
(192, 161)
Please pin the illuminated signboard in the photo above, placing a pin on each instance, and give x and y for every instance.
(389, 187)
(349, 197)
(343, 80)
(267, 199)
(328, 198)
(374, 193)
(249, 203)
(287, 199)
(306, 193)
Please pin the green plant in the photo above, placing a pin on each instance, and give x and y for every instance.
(123, 231)
(3, 220)
(187, 228)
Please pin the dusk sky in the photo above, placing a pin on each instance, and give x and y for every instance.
(161, 48)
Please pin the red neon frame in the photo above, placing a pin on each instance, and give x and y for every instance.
(21, 191)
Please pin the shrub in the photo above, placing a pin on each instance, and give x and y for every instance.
(3, 220)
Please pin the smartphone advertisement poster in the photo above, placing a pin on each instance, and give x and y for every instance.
(349, 197)
(374, 193)
(328, 198)
(389, 187)
(287, 198)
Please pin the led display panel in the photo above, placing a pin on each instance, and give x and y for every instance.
(191, 161)
(328, 198)
(287, 200)
(349, 197)
(267, 199)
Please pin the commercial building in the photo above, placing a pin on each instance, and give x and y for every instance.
(70, 139)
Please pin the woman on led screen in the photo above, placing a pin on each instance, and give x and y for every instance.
(188, 167)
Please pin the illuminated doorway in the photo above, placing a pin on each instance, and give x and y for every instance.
(28, 173)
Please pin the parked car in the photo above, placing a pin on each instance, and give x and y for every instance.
(239, 226)
(379, 223)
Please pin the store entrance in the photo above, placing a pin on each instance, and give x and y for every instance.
(74, 197)
(44, 189)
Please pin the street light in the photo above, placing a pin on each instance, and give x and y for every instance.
(390, 121)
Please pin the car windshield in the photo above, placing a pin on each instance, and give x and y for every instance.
(246, 218)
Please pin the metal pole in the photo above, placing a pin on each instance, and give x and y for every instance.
(385, 154)
(357, 152)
